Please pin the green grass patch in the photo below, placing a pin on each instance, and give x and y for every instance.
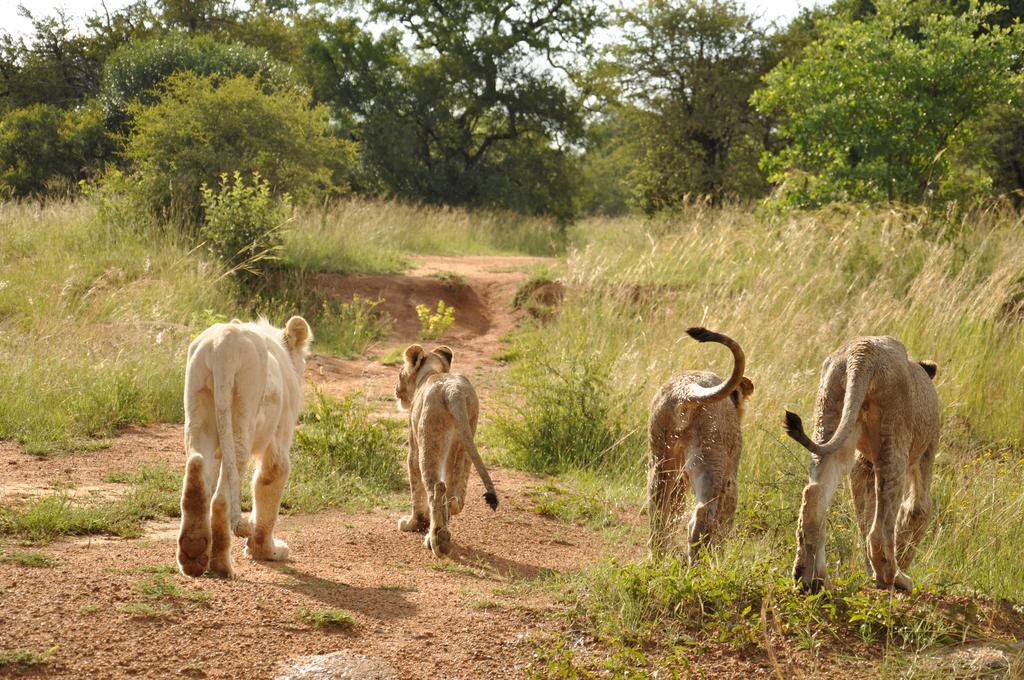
(161, 586)
(392, 357)
(574, 507)
(565, 414)
(25, 558)
(348, 329)
(155, 493)
(744, 600)
(333, 619)
(94, 324)
(343, 457)
(24, 657)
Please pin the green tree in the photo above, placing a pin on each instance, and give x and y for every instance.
(687, 70)
(135, 71)
(44, 148)
(483, 85)
(204, 126)
(870, 111)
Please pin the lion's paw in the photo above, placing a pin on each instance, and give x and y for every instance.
(242, 527)
(439, 542)
(413, 523)
(277, 551)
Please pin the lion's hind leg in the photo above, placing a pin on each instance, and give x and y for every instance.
(707, 490)
(889, 490)
(439, 538)
(419, 519)
(194, 537)
(267, 488)
(220, 549)
(916, 509)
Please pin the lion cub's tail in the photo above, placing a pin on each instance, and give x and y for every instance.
(461, 416)
(712, 394)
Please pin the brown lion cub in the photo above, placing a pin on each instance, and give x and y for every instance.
(695, 441)
(877, 420)
(443, 412)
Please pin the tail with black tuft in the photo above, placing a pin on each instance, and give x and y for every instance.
(492, 499)
(701, 334)
(794, 427)
(718, 392)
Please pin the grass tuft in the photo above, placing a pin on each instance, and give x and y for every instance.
(23, 657)
(336, 619)
(24, 558)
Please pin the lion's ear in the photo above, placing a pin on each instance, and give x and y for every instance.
(414, 355)
(445, 353)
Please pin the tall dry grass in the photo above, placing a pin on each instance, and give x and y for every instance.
(791, 290)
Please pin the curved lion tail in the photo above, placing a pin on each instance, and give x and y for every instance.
(857, 381)
(719, 392)
(461, 416)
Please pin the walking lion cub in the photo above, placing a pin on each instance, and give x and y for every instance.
(876, 419)
(443, 412)
(695, 441)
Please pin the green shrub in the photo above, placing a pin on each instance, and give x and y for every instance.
(342, 456)
(45, 150)
(242, 223)
(434, 324)
(202, 127)
(567, 415)
(347, 329)
(135, 71)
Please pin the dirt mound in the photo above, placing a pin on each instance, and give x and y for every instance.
(400, 294)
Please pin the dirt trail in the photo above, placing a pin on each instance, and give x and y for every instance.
(416, 617)
(481, 289)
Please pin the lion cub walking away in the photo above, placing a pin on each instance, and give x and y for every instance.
(695, 441)
(443, 412)
(243, 394)
(876, 419)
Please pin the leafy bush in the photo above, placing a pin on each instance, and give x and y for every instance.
(44, 148)
(203, 126)
(242, 223)
(869, 111)
(342, 456)
(434, 324)
(135, 71)
(566, 416)
(349, 328)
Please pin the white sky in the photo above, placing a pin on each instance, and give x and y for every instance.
(10, 20)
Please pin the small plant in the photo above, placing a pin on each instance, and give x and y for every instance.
(451, 279)
(90, 609)
(242, 222)
(484, 604)
(434, 324)
(24, 657)
(349, 328)
(28, 559)
(342, 455)
(337, 619)
(159, 586)
(556, 502)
